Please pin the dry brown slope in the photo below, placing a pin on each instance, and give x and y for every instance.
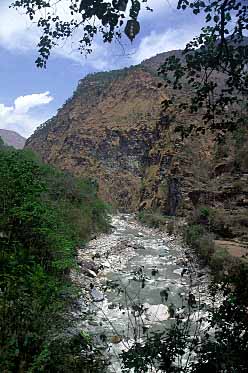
(106, 131)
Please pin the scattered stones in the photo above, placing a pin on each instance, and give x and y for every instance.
(96, 256)
(138, 247)
(93, 322)
(106, 265)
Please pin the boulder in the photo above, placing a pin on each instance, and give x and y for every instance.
(89, 267)
(90, 273)
(156, 312)
(97, 295)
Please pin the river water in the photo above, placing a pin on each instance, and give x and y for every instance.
(144, 280)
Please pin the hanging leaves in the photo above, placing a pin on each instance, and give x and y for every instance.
(122, 5)
(89, 17)
(135, 9)
(132, 29)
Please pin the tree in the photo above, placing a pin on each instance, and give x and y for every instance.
(214, 66)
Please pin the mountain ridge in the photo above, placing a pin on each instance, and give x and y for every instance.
(12, 138)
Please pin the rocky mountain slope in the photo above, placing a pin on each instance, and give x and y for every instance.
(12, 138)
(113, 130)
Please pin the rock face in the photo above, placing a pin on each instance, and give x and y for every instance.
(114, 130)
(106, 131)
(12, 138)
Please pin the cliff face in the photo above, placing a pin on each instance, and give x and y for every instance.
(113, 130)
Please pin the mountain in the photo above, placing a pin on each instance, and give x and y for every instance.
(113, 129)
(12, 138)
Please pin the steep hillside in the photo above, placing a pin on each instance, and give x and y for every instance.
(113, 130)
(12, 138)
(106, 131)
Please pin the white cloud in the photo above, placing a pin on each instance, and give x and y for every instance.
(16, 30)
(24, 103)
(155, 43)
(158, 7)
(21, 117)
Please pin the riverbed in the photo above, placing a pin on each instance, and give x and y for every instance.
(134, 280)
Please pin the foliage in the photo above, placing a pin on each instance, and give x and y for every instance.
(91, 17)
(44, 215)
(221, 223)
(205, 212)
(153, 219)
(192, 233)
(214, 65)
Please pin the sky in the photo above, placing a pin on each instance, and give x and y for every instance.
(29, 96)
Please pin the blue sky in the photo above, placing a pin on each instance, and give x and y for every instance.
(29, 96)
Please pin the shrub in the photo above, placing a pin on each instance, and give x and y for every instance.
(153, 219)
(201, 215)
(218, 260)
(205, 212)
(192, 234)
(44, 215)
(205, 245)
(221, 223)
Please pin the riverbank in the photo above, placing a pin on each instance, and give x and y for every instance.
(207, 236)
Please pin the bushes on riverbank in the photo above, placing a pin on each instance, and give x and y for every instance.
(204, 227)
(44, 215)
(155, 219)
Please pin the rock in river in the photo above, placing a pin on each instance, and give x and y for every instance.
(97, 295)
(156, 312)
(89, 268)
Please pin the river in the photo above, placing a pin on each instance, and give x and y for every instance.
(143, 279)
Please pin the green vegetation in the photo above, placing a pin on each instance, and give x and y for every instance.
(1, 142)
(205, 226)
(153, 219)
(44, 215)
